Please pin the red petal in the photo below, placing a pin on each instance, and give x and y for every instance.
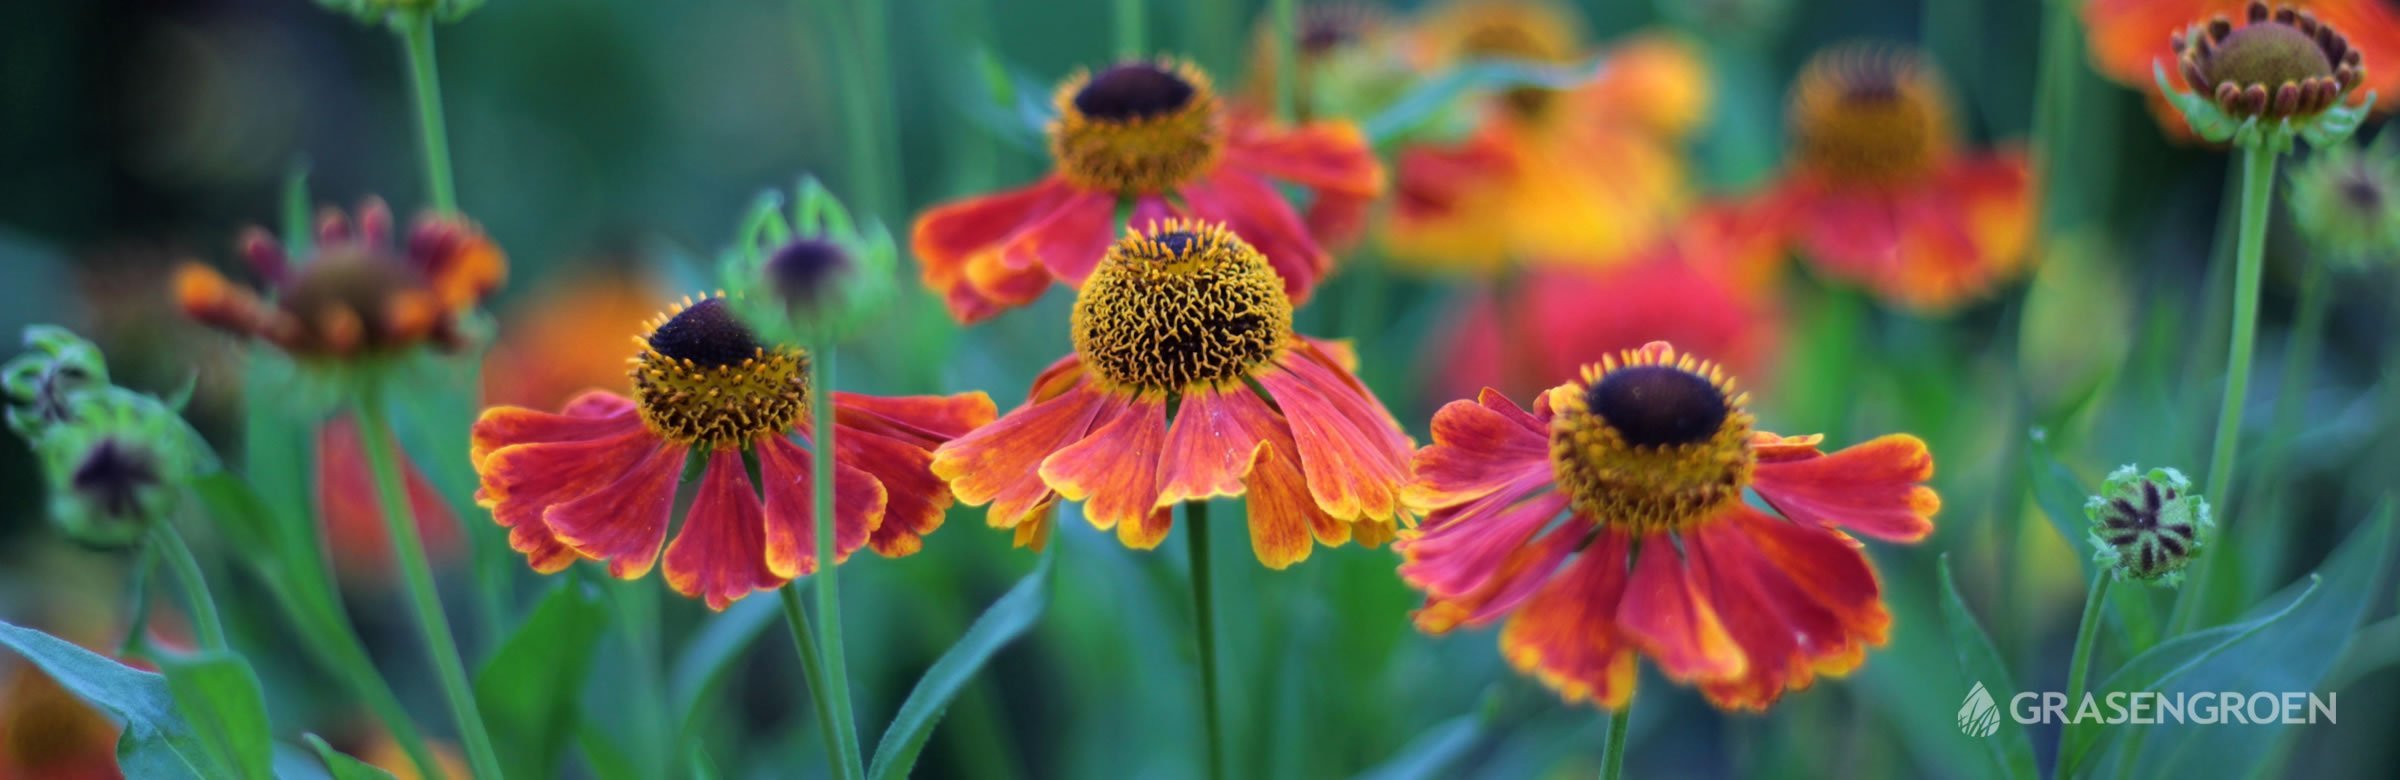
(501, 426)
(859, 506)
(625, 522)
(520, 482)
(1354, 455)
(1825, 566)
(1784, 633)
(1667, 613)
(1853, 235)
(1260, 215)
(1565, 635)
(999, 464)
(1873, 488)
(721, 553)
(1330, 157)
(946, 235)
(1070, 241)
(1468, 548)
(1516, 579)
(926, 420)
(914, 500)
(1476, 449)
(1114, 471)
(1209, 448)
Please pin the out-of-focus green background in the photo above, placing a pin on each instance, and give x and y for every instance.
(595, 135)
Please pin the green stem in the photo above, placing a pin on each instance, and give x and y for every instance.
(2258, 191)
(1612, 757)
(425, 82)
(2095, 608)
(829, 597)
(812, 670)
(1130, 28)
(1204, 623)
(409, 550)
(179, 557)
(1287, 58)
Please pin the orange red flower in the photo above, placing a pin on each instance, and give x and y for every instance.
(1609, 522)
(1153, 138)
(1879, 193)
(46, 733)
(598, 479)
(1591, 173)
(356, 294)
(1707, 287)
(1187, 321)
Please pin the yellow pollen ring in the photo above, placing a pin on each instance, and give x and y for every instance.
(1179, 304)
(1138, 155)
(698, 404)
(1646, 489)
(1869, 115)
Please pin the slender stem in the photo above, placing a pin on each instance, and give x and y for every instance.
(2095, 610)
(399, 520)
(1287, 58)
(2258, 190)
(425, 82)
(1130, 28)
(1612, 757)
(829, 598)
(812, 670)
(1204, 624)
(195, 587)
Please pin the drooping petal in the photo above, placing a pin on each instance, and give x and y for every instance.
(1465, 551)
(1260, 215)
(1210, 447)
(1848, 234)
(859, 506)
(913, 499)
(1070, 241)
(1519, 575)
(1784, 633)
(1476, 448)
(1828, 568)
(1114, 471)
(721, 553)
(1148, 531)
(1000, 463)
(589, 417)
(1329, 157)
(1566, 635)
(1876, 488)
(521, 481)
(1667, 614)
(1283, 515)
(923, 420)
(946, 235)
(1354, 454)
(624, 523)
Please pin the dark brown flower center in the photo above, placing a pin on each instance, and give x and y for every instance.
(1185, 306)
(1135, 90)
(1658, 406)
(112, 477)
(1863, 115)
(2269, 54)
(706, 333)
(803, 271)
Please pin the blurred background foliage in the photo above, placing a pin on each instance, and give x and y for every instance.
(611, 144)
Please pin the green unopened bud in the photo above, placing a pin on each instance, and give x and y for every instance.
(814, 278)
(2346, 201)
(40, 382)
(118, 467)
(379, 11)
(2148, 525)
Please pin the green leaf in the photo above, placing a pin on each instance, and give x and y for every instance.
(157, 743)
(2297, 656)
(342, 766)
(219, 695)
(1434, 753)
(532, 689)
(1429, 99)
(1979, 665)
(1007, 619)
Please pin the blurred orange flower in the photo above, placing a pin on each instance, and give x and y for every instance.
(1707, 286)
(1638, 471)
(1878, 192)
(2128, 37)
(569, 338)
(1591, 173)
(46, 733)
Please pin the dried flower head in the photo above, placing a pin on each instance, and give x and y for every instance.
(2280, 72)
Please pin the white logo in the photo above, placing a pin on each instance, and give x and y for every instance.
(1979, 716)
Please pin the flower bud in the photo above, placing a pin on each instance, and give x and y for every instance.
(39, 383)
(2148, 525)
(117, 465)
(813, 279)
(2346, 201)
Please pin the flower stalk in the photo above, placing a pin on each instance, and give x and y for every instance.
(812, 672)
(1612, 757)
(178, 556)
(1204, 624)
(408, 549)
(829, 600)
(2095, 606)
(2258, 194)
(425, 84)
